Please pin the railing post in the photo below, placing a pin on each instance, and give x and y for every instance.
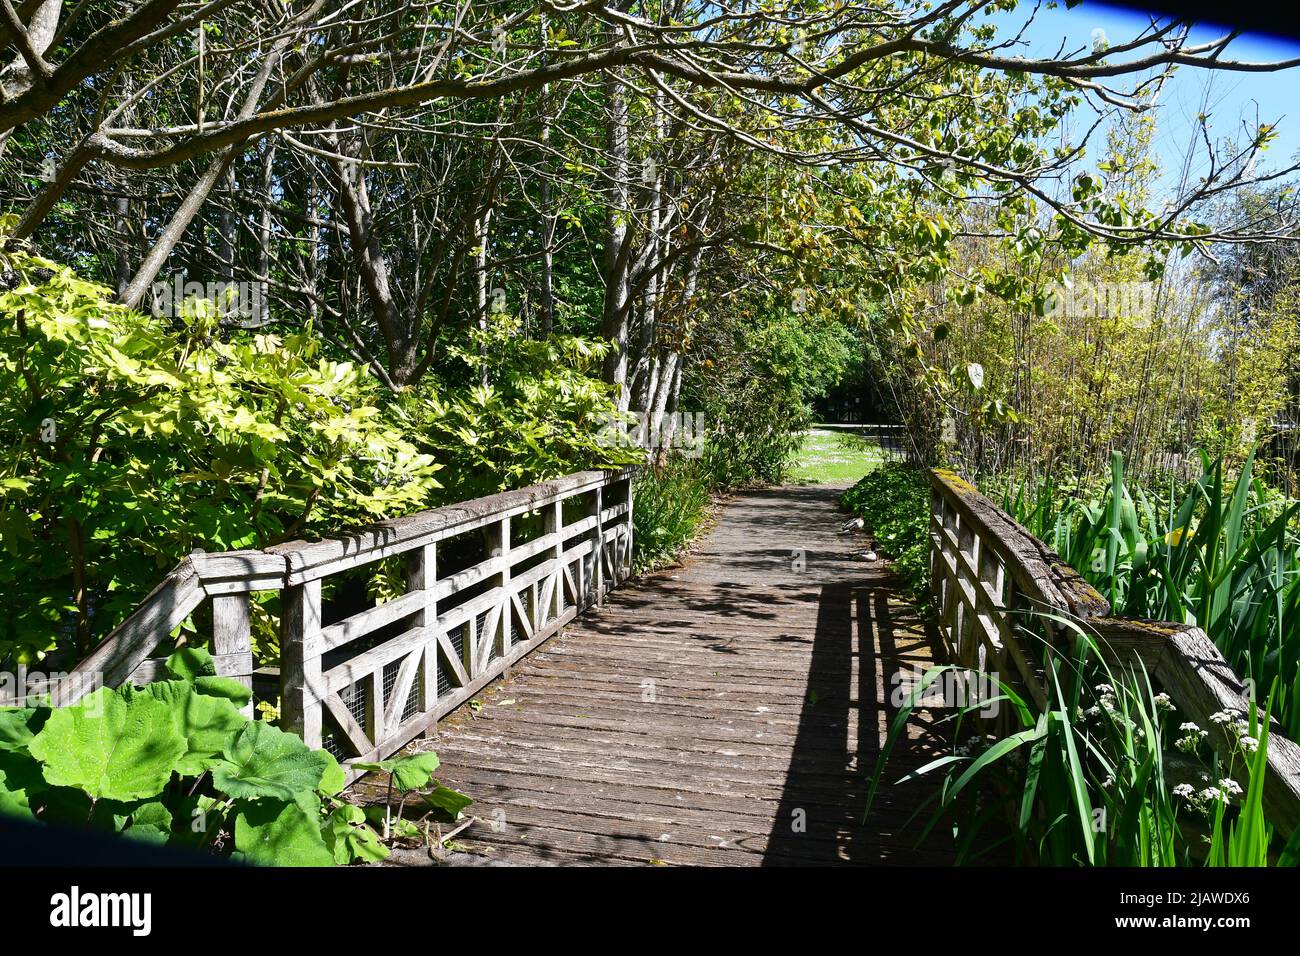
(936, 544)
(596, 580)
(421, 575)
(627, 554)
(499, 547)
(553, 523)
(300, 661)
(232, 635)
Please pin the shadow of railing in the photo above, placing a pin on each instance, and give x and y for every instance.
(845, 714)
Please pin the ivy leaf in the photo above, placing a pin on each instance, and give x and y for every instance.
(271, 833)
(975, 374)
(110, 746)
(264, 761)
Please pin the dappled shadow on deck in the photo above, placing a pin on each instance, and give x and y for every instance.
(726, 712)
(864, 648)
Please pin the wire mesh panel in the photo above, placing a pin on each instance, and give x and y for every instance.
(456, 638)
(412, 704)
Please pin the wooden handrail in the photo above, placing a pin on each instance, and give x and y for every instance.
(986, 568)
(456, 632)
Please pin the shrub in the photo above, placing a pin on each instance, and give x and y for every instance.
(539, 415)
(669, 505)
(128, 443)
(894, 503)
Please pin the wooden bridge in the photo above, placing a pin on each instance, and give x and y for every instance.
(726, 712)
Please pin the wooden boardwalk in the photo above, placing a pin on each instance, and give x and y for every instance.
(727, 712)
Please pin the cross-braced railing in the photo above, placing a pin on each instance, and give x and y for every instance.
(485, 582)
(994, 584)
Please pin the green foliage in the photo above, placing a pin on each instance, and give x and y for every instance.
(128, 443)
(1107, 774)
(410, 774)
(1222, 555)
(669, 506)
(175, 762)
(894, 503)
(513, 411)
(753, 379)
(112, 746)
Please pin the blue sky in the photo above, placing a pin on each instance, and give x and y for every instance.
(1230, 99)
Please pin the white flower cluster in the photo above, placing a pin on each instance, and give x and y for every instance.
(1105, 702)
(1238, 726)
(1204, 799)
(1191, 737)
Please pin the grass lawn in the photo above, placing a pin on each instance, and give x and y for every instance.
(833, 457)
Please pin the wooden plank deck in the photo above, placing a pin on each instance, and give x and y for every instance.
(727, 712)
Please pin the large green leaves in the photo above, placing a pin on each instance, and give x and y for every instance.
(350, 838)
(274, 833)
(111, 746)
(19, 725)
(208, 724)
(264, 761)
(412, 772)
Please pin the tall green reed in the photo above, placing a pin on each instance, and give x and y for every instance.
(1223, 555)
(1107, 773)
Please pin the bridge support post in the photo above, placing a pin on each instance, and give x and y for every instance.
(597, 579)
(300, 662)
(499, 547)
(231, 637)
(553, 524)
(421, 575)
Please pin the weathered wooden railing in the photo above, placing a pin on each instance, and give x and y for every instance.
(1000, 595)
(520, 565)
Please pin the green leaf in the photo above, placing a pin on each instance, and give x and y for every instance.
(232, 690)
(415, 771)
(19, 725)
(333, 780)
(272, 833)
(264, 761)
(151, 821)
(449, 801)
(209, 724)
(350, 839)
(13, 795)
(190, 663)
(412, 772)
(111, 746)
